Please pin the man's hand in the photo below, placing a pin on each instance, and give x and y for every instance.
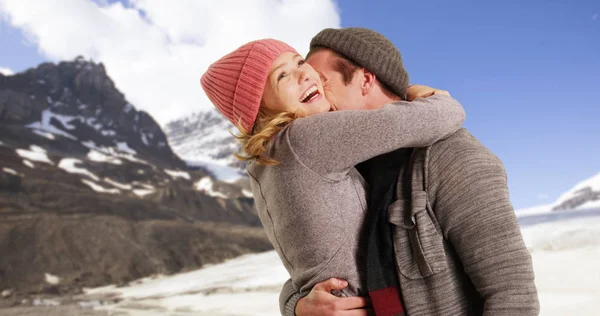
(321, 302)
(416, 91)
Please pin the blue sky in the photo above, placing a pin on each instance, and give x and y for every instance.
(527, 73)
(17, 53)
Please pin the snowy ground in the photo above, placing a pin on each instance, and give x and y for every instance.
(248, 285)
(565, 248)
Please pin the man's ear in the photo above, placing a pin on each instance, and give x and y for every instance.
(367, 81)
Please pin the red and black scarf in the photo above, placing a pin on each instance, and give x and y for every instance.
(381, 173)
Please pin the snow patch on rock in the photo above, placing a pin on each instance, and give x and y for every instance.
(206, 185)
(119, 185)
(45, 125)
(51, 279)
(28, 163)
(36, 154)
(247, 193)
(44, 134)
(11, 171)
(177, 174)
(142, 192)
(98, 188)
(97, 156)
(68, 164)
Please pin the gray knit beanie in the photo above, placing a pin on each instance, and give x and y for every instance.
(369, 50)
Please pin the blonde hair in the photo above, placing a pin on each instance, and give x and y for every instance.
(255, 142)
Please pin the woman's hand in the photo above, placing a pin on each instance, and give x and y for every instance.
(416, 91)
(321, 302)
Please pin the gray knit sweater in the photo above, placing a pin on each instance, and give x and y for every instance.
(312, 204)
(481, 265)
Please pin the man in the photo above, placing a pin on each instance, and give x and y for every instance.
(467, 255)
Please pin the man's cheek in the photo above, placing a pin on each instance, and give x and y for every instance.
(329, 94)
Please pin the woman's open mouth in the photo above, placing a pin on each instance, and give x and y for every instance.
(311, 94)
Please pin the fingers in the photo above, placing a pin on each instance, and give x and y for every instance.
(358, 312)
(353, 302)
(331, 284)
(441, 92)
(419, 91)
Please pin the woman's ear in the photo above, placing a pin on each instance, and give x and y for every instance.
(367, 81)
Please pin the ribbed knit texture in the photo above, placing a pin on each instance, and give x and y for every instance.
(288, 294)
(312, 205)
(235, 83)
(370, 50)
(481, 267)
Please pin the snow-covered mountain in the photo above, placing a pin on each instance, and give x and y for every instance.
(583, 195)
(204, 137)
(78, 101)
(91, 191)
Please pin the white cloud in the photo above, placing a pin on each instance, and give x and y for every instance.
(156, 50)
(6, 71)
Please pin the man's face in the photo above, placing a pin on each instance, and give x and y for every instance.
(340, 95)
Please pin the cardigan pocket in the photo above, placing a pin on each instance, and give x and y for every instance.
(418, 245)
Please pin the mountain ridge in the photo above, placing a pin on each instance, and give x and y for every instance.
(92, 193)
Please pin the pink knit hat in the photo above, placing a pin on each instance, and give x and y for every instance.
(235, 83)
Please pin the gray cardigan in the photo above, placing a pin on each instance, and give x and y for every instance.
(473, 257)
(312, 204)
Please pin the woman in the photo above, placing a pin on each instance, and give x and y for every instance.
(310, 199)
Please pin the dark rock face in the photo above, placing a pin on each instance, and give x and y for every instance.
(90, 190)
(10, 182)
(580, 197)
(81, 99)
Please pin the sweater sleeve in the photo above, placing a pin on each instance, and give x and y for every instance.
(288, 299)
(471, 202)
(332, 143)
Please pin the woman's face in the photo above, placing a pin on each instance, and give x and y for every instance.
(294, 86)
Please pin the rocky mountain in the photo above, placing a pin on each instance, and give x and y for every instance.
(205, 138)
(91, 192)
(585, 194)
